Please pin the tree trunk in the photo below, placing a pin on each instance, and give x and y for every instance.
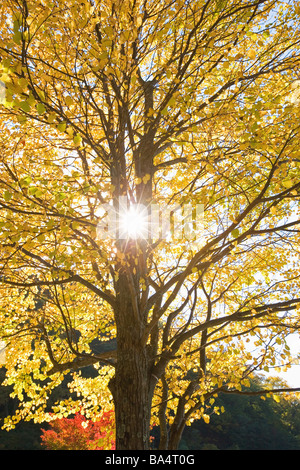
(132, 409)
(179, 422)
(175, 437)
(131, 384)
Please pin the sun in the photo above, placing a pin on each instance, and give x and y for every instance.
(133, 222)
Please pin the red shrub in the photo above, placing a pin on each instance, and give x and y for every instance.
(78, 433)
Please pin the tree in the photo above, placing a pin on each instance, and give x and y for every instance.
(77, 433)
(116, 112)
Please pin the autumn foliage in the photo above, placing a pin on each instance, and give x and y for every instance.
(152, 103)
(79, 433)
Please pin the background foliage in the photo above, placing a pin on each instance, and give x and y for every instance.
(157, 101)
(249, 423)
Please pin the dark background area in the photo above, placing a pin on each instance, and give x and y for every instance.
(249, 423)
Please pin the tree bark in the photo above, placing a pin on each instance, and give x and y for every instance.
(130, 386)
(175, 437)
(131, 398)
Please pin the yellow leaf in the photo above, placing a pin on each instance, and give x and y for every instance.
(287, 184)
(51, 118)
(69, 101)
(239, 56)
(146, 178)
(70, 131)
(252, 54)
(244, 146)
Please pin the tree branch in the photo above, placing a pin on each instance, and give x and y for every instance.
(108, 358)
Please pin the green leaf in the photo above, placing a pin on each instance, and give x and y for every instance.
(61, 126)
(77, 139)
(235, 232)
(23, 83)
(61, 196)
(16, 26)
(26, 181)
(25, 106)
(17, 37)
(32, 190)
(40, 108)
(21, 119)
(7, 196)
